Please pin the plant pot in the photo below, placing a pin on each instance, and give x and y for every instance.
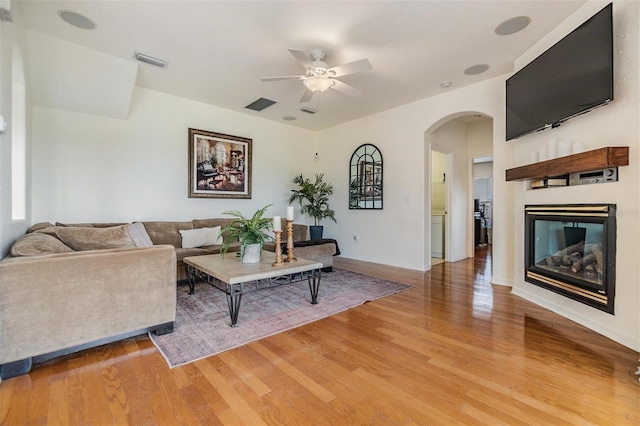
(315, 231)
(252, 253)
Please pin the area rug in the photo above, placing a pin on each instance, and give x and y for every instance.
(202, 319)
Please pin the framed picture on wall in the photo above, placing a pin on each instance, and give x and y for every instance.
(219, 165)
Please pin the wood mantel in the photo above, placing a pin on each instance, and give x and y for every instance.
(610, 156)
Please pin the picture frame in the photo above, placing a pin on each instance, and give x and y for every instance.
(219, 165)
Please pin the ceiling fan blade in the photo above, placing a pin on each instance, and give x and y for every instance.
(351, 68)
(345, 88)
(286, 77)
(306, 96)
(301, 57)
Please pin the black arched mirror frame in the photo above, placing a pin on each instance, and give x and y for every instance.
(365, 178)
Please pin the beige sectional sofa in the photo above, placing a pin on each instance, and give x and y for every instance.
(66, 287)
(165, 232)
(54, 304)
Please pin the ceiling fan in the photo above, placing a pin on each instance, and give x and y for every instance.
(319, 77)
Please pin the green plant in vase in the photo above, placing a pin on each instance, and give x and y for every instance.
(313, 197)
(249, 231)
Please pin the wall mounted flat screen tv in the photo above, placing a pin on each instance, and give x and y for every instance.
(572, 77)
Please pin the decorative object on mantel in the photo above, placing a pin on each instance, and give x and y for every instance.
(248, 232)
(219, 165)
(314, 201)
(365, 178)
(611, 156)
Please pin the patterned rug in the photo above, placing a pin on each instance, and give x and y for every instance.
(202, 326)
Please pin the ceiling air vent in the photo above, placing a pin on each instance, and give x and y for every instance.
(260, 104)
(150, 60)
(308, 110)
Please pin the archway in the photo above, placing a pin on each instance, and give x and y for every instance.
(461, 137)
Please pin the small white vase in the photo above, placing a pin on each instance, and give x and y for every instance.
(251, 254)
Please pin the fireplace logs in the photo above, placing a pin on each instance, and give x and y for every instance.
(571, 259)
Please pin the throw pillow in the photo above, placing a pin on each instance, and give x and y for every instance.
(36, 243)
(84, 238)
(37, 226)
(139, 235)
(200, 237)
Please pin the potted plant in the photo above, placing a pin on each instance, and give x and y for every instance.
(250, 232)
(314, 201)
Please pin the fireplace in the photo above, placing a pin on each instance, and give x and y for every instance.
(570, 250)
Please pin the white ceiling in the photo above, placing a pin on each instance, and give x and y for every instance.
(218, 50)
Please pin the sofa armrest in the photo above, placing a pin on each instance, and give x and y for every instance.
(53, 302)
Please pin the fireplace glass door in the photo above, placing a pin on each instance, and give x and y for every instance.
(570, 249)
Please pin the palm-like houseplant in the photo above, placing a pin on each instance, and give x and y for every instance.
(313, 197)
(246, 230)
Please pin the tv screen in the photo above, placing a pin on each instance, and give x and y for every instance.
(574, 76)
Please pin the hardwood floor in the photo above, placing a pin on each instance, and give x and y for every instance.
(453, 350)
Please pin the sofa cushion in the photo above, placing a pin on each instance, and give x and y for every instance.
(37, 226)
(181, 253)
(38, 243)
(91, 225)
(201, 237)
(164, 232)
(89, 238)
(139, 235)
(210, 223)
(215, 249)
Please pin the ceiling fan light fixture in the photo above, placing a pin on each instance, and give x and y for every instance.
(318, 84)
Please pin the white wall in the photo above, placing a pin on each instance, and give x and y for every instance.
(396, 235)
(11, 37)
(613, 125)
(90, 168)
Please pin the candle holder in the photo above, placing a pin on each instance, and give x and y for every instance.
(278, 261)
(290, 257)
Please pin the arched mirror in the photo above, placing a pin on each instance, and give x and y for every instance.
(365, 178)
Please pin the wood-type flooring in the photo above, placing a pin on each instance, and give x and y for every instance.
(453, 350)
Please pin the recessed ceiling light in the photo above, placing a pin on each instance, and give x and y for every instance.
(445, 84)
(513, 25)
(476, 69)
(288, 118)
(77, 20)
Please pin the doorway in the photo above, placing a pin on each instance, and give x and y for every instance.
(482, 201)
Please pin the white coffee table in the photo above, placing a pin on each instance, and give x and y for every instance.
(229, 274)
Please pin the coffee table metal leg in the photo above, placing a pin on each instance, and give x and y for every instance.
(234, 297)
(190, 271)
(314, 285)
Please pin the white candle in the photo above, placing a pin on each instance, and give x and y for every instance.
(277, 225)
(290, 213)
